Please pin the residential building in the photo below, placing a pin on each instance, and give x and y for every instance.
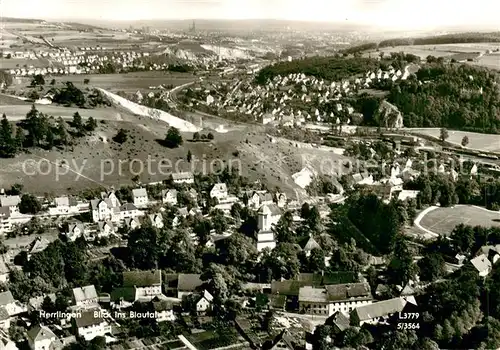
(75, 229)
(310, 245)
(129, 210)
(482, 265)
(105, 229)
(146, 284)
(91, 324)
(64, 206)
(333, 298)
(140, 197)
(11, 202)
(283, 341)
(6, 343)
(219, 191)
(102, 210)
(156, 220)
(4, 319)
(164, 310)
(85, 297)
(42, 338)
(169, 196)
(281, 200)
(184, 177)
(132, 223)
(188, 283)
(204, 303)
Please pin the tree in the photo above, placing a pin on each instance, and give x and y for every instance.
(144, 248)
(29, 204)
(91, 124)
(210, 136)
(86, 81)
(78, 122)
(196, 136)
(37, 80)
(431, 267)
(443, 134)
(53, 82)
(465, 141)
(189, 156)
(173, 138)
(121, 136)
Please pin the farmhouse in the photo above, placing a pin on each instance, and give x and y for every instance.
(379, 311)
(90, 324)
(333, 298)
(146, 284)
(85, 297)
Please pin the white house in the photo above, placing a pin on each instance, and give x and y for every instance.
(105, 229)
(164, 310)
(132, 223)
(205, 302)
(75, 229)
(111, 195)
(332, 298)
(184, 177)
(219, 191)
(85, 297)
(11, 202)
(281, 199)
(147, 284)
(140, 197)
(129, 210)
(90, 324)
(12, 306)
(169, 196)
(41, 338)
(156, 220)
(64, 206)
(6, 343)
(482, 264)
(102, 209)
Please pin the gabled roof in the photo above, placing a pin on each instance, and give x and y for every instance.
(39, 333)
(141, 278)
(311, 244)
(219, 187)
(139, 192)
(340, 320)
(347, 291)
(101, 225)
(9, 201)
(284, 338)
(481, 263)
(379, 309)
(189, 281)
(94, 203)
(128, 207)
(88, 318)
(267, 209)
(38, 244)
(84, 293)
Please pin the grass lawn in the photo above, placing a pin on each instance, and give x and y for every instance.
(444, 220)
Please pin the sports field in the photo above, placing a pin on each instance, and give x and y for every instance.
(442, 221)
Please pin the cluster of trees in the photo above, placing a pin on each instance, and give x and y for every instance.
(453, 96)
(173, 138)
(39, 130)
(439, 188)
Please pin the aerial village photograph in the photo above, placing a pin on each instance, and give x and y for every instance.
(249, 174)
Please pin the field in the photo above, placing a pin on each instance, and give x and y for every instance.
(457, 51)
(484, 142)
(14, 63)
(443, 220)
(128, 82)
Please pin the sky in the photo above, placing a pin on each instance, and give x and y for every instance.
(385, 13)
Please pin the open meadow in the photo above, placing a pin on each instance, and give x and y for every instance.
(442, 221)
(478, 141)
(483, 53)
